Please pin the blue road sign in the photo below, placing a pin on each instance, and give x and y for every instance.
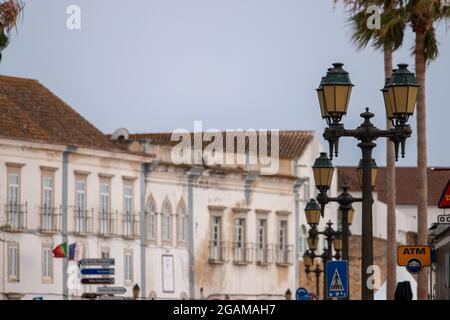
(337, 279)
(301, 294)
(97, 271)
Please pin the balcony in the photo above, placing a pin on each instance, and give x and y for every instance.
(107, 224)
(130, 226)
(263, 254)
(50, 220)
(83, 222)
(242, 253)
(284, 255)
(217, 252)
(16, 217)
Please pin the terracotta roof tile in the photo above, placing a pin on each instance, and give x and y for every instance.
(292, 144)
(30, 111)
(406, 183)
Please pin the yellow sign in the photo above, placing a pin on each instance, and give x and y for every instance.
(406, 253)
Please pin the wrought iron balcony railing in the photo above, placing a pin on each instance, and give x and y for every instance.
(130, 226)
(284, 255)
(16, 217)
(50, 219)
(263, 254)
(83, 222)
(107, 224)
(217, 251)
(242, 252)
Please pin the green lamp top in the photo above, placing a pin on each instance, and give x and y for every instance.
(312, 205)
(403, 77)
(337, 76)
(323, 161)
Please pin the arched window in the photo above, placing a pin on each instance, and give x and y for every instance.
(151, 220)
(182, 223)
(302, 240)
(166, 221)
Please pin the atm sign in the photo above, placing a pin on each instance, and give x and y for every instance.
(406, 253)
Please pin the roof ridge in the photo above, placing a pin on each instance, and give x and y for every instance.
(16, 78)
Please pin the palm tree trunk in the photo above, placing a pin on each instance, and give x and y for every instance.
(391, 259)
(422, 197)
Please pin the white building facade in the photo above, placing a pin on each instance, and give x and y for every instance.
(175, 231)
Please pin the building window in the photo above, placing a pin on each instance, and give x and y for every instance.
(282, 234)
(304, 190)
(47, 193)
(105, 253)
(182, 224)
(128, 261)
(104, 197)
(81, 218)
(262, 250)
(13, 262)
(130, 228)
(48, 214)
(106, 222)
(151, 221)
(284, 251)
(128, 199)
(166, 222)
(239, 245)
(47, 264)
(216, 246)
(302, 240)
(15, 211)
(80, 201)
(13, 188)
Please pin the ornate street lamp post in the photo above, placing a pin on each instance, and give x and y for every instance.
(333, 239)
(400, 94)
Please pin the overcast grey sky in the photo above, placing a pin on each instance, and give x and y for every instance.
(158, 65)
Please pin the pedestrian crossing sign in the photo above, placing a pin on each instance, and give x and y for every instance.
(337, 279)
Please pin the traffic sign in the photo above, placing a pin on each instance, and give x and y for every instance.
(97, 262)
(444, 201)
(312, 296)
(111, 290)
(97, 271)
(414, 266)
(337, 279)
(420, 253)
(301, 294)
(443, 219)
(97, 281)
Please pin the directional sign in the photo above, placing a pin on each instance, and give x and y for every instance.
(111, 290)
(443, 219)
(337, 279)
(444, 201)
(97, 281)
(97, 262)
(407, 255)
(301, 294)
(97, 271)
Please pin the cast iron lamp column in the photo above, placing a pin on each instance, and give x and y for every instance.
(308, 261)
(332, 237)
(400, 94)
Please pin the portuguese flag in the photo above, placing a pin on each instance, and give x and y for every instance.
(60, 251)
